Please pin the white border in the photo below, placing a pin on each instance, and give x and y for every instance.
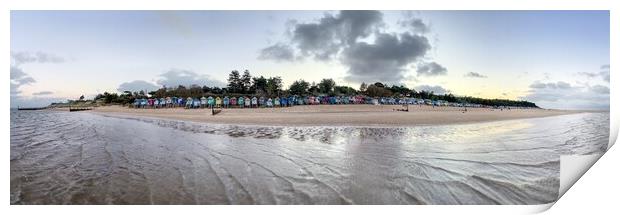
(319, 5)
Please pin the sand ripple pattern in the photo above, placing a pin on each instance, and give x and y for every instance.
(82, 158)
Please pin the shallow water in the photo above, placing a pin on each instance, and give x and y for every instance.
(84, 158)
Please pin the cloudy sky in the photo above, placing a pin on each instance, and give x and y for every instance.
(558, 59)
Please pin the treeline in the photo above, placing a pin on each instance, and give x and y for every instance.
(246, 85)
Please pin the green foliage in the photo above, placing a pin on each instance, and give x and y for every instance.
(299, 87)
(235, 85)
(274, 86)
(326, 86)
(259, 85)
(246, 82)
(246, 85)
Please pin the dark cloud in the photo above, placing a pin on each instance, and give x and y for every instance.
(177, 77)
(43, 93)
(18, 79)
(603, 74)
(137, 85)
(437, 90)
(359, 41)
(325, 38)
(38, 57)
(600, 89)
(385, 59)
(589, 74)
(415, 25)
(431, 69)
(171, 78)
(277, 52)
(20, 101)
(475, 75)
(566, 96)
(550, 85)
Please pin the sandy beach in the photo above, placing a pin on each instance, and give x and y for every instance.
(352, 115)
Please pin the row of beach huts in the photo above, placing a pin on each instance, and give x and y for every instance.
(255, 102)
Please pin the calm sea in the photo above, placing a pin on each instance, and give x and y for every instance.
(85, 158)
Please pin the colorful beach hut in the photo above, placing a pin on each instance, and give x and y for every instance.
(254, 102)
(233, 101)
(188, 103)
(226, 101)
(210, 102)
(196, 103)
(276, 102)
(241, 101)
(284, 102)
(247, 102)
(218, 102)
(269, 102)
(203, 102)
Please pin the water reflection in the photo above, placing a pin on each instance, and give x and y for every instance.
(81, 158)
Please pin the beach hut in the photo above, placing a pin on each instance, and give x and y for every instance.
(210, 102)
(168, 101)
(374, 101)
(233, 101)
(247, 102)
(136, 103)
(292, 100)
(261, 101)
(254, 102)
(276, 102)
(142, 103)
(151, 102)
(283, 102)
(269, 102)
(189, 102)
(203, 102)
(226, 101)
(197, 103)
(156, 103)
(218, 102)
(302, 100)
(241, 101)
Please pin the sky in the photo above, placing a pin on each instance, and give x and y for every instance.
(557, 59)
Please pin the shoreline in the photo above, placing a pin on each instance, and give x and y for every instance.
(335, 115)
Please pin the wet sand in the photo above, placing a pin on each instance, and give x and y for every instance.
(350, 115)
